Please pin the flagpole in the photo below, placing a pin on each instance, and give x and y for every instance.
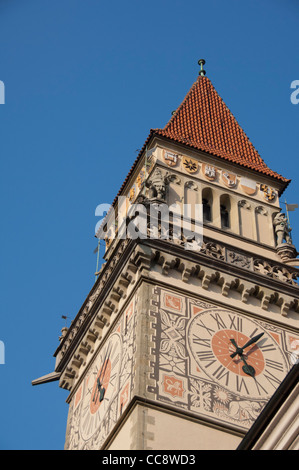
(98, 257)
(287, 211)
(291, 207)
(145, 170)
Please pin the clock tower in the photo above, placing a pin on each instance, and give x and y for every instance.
(192, 323)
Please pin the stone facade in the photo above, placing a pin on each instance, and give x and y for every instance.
(141, 356)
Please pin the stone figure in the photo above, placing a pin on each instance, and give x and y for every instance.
(282, 229)
(157, 187)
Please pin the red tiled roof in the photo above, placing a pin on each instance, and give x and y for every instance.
(204, 122)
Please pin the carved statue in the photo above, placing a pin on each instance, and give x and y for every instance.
(157, 187)
(282, 229)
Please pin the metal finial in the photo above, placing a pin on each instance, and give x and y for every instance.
(64, 318)
(202, 62)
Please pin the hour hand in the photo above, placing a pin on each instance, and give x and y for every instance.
(238, 350)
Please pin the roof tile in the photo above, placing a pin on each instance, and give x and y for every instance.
(204, 122)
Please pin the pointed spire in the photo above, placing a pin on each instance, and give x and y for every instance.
(204, 122)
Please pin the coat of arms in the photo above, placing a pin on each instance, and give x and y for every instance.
(209, 171)
(248, 186)
(229, 179)
(269, 193)
(170, 158)
(190, 164)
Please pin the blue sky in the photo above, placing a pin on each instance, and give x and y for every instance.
(85, 81)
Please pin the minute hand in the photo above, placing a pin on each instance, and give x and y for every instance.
(251, 341)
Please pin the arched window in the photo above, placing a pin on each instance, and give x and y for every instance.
(207, 200)
(225, 211)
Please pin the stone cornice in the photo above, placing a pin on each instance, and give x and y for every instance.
(214, 264)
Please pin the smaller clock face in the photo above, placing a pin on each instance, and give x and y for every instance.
(100, 386)
(236, 352)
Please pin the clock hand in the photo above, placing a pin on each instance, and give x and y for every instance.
(252, 340)
(249, 370)
(240, 350)
(101, 375)
(102, 389)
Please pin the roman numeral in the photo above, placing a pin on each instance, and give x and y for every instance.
(274, 365)
(206, 356)
(222, 373)
(267, 347)
(219, 321)
(115, 361)
(259, 387)
(274, 381)
(209, 330)
(236, 323)
(201, 341)
(241, 384)
(254, 332)
(112, 378)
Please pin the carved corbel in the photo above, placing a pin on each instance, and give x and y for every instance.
(70, 373)
(91, 337)
(65, 384)
(207, 277)
(206, 281)
(266, 296)
(84, 348)
(77, 363)
(107, 311)
(172, 178)
(261, 210)
(286, 303)
(187, 272)
(78, 360)
(227, 283)
(247, 290)
(132, 267)
(245, 204)
(117, 294)
(191, 185)
(99, 324)
(166, 266)
(143, 258)
(124, 280)
(226, 286)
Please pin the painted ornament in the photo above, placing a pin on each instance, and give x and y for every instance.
(190, 164)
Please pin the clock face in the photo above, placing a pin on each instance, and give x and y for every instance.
(217, 341)
(100, 387)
